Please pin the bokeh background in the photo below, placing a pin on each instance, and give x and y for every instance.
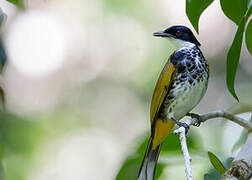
(79, 80)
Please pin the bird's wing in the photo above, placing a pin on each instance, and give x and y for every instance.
(162, 88)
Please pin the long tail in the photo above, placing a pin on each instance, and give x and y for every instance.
(147, 169)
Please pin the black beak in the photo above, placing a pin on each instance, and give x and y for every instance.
(162, 34)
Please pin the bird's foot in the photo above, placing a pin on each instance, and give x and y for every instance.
(182, 124)
(195, 116)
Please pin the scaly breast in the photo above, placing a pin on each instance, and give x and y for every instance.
(189, 96)
(190, 84)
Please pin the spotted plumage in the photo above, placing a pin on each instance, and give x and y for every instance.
(180, 87)
(190, 84)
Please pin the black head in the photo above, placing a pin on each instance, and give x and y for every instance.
(178, 32)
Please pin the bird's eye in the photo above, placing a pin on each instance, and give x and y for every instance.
(178, 33)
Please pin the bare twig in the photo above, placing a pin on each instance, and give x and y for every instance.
(242, 122)
(181, 133)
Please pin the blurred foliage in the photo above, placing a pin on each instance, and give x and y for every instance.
(239, 12)
(171, 145)
(210, 177)
(18, 3)
(18, 140)
(130, 167)
(242, 138)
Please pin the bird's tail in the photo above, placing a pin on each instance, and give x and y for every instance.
(147, 169)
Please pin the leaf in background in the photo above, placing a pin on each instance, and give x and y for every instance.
(172, 143)
(209, 177)
(228, 162)
(234, 10)
(242, 138)
(19, 139)
(216, 163)
(18, 3)
(19, 135)
(130, 167)
(248, 36)
(194, 8)
(233, 57)
(142, 147)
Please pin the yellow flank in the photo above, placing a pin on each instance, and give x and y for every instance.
(162, 129)
(161, 89)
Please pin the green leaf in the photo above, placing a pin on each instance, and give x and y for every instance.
(194, 8)
(233, 57)
(18, 3)
(209, 177)
(172, 143)
(248, 36)
(131, 165)
(234, 10)
(19, 135)
(129, 169)
(216, 163)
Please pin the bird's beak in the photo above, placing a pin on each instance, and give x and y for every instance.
(162, 34)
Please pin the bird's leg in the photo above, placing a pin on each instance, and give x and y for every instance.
(181, 124)
(195, 116)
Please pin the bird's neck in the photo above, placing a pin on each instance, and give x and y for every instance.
(178, 44)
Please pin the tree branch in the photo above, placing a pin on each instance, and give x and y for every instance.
(181, 133)
(196, 121)
(242, 122)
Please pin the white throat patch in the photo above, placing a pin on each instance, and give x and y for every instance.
(180, 43)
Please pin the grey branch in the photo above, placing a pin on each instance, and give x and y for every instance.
(181, 133)
(220, 113)
(242, 122)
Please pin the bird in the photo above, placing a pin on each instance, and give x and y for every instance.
(180, 87)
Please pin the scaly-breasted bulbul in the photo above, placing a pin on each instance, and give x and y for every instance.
(180, 87)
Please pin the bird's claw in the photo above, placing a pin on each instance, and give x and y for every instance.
(195, 116)
(182, 124)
